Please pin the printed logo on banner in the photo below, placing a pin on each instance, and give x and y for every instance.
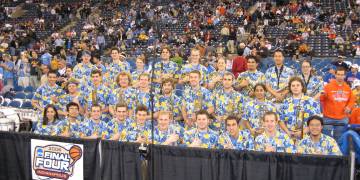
(56, 160)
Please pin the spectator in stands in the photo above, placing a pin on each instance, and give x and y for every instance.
(93, 127)
(317, 142)
(234, 138)
(48, 124)
(341, 63)
(216, 77)
(22, 67)
(313, 83)
(166, 133)
(202, 136)
(239, 62)
(8, 67)
(168, 101)
(277, 77)
(248, 79)
(353, 74)
(34, 70)
(194, 64)
(137, 131)
(117, 126)
(70, 126)
(96, 92)
(272, 140)
(47, 93)
(195, 98)
(295, 110)
(337, 101)
(255, 108)
(83, 70)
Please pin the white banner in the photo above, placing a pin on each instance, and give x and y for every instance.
(56, 160)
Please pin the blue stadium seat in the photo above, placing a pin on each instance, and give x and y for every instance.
(27, 105)
(20, 95)
(15, 104)
(29, 96)
(19, 88)
(29, 89)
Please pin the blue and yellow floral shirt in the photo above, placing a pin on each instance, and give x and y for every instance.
(161, 136)
(254, 110)
(82, 72)
(294, 112)
(43, 95)
(89, 127)
(281, 142)
(170, 103)
(284, 73)
(209, 138)
(326, 146)
(253, 78)
(244, 141)
(196, 99)
(185, 70)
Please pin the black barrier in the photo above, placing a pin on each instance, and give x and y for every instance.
(15, 155)
(123, 161)
(171, 163)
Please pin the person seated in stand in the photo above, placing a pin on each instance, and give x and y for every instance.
(295, 110)
(168, 101)
(122, 92)
(314, 84)
(142, 94)
(137, 131)
(70, 126)
(255, 108)
(216, 77)
(195, 97)
(226, 102)
(165, 68)
(48, 93)
(48, 125)
(166, 132)
(193, 65)
(234, 138)
(248, 79)
(202, 136)
(93, 127)
(317, 142)
(272, 140)
(97, 93)
(277, 77)
(118, 125)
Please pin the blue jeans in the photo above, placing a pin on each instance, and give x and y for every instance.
(337, 127)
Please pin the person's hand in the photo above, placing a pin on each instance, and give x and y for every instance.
(279, 97)
(54, 99)
(141, 139)
(347, 110)
(94, 135)
(245, 82)
(259, 131)
(228, 146)
(172, 138)
(269, 148)
(196, 143)
(296, 134)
